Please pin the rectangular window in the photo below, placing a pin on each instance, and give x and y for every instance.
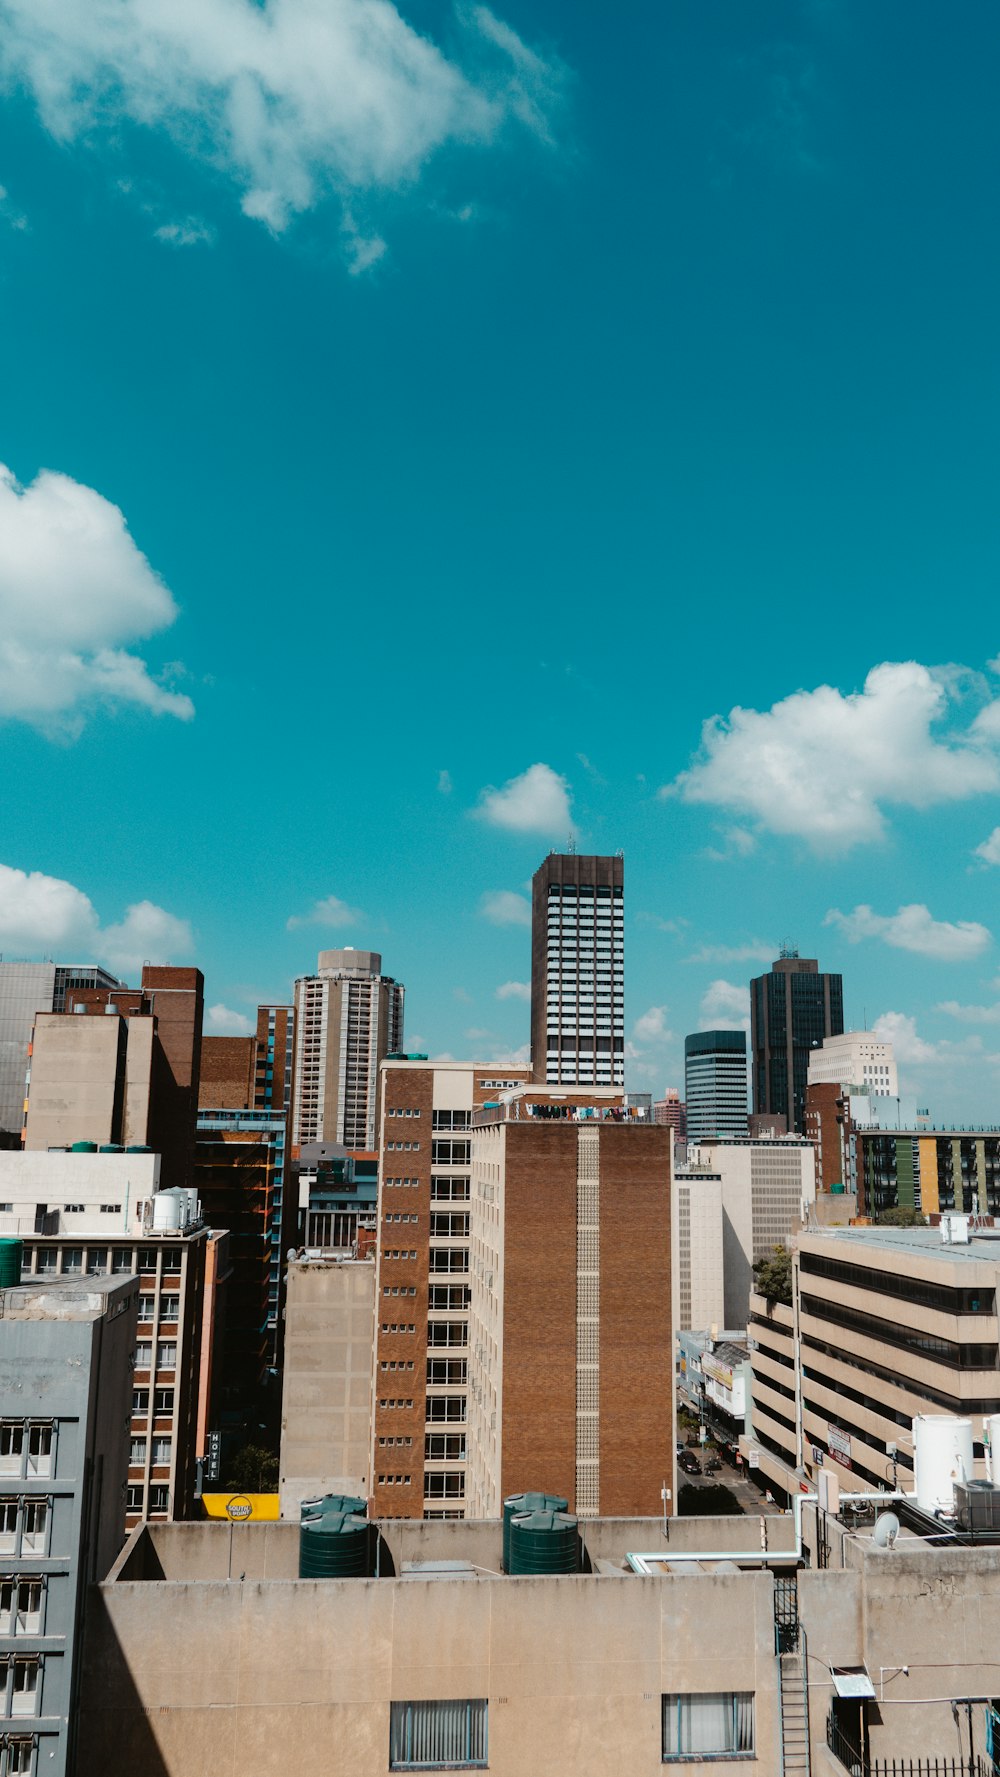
(121, 1259)
(170, 1307)
(8, 1526)
(708, 1724)
(20, 1758)
(72, 1260)
(159, 1499)
(39, 1450)
(432, 1736)
(133, 1499)
(48, 1259)
(25, 1689)
(166, 1355)
(97, 1260)
(162, 1452)
(140, 1401)
(143, 1354)
(11, 1447)
(36, 1527)
(27, 1611)
(163, 1401)
(137, 1453)
(146, 1307)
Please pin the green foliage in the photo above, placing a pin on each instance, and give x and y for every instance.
(773, 1276)
(710, 1501)
(251, 1470)
(901, 1217)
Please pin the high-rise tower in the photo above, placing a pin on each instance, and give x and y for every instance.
(577, 971)
(792, 1010)
(347, 1017)
(715, 1084)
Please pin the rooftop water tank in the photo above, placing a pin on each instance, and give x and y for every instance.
(942, 1456)
(11, 1254)
(335, 1545)
(544, 1542)
(991, 1439)
(166, 1212)
(328, 1504)
(517, 1504)
(84, 1147)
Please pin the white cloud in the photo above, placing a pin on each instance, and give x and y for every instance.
(536, 802)
(913, 928)
(989, 851)
(755, 952)
(331, 911)
(192, 232)
(724, 1006)
(820, 766)
(73, 589)
(147, 934)
(971, 1014)
(445, 785)
(511, 1057)
(504, 908)
(739, 843)
(514, 990)
(222, 1021)
(291, 99)
(43, 915)
(899, 1029)
(9, 213)
(651, 1026)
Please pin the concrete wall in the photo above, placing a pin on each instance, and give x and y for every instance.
(326, 1403)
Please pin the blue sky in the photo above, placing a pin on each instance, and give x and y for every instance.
(399, 402)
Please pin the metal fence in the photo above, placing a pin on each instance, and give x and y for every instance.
(858, 1765)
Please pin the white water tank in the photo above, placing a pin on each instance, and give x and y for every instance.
(193, 1207)
(991, 1438)
(166, 1212)
(942, 1455)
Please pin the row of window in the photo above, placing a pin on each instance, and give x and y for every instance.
(402, 1147)
(941, 1351)
(95, 1259)
(24, 1525)
(435, 1735)
(163, 1449)
(159, 1499)
(166, 1355)
(893, 1283)
(163, 1402)
(407, 1112)
(26, 1448)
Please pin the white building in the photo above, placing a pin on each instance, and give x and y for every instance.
(697, 1250)
(25, 990)
(347, 1017)
(768, 1184)
(855, 1059)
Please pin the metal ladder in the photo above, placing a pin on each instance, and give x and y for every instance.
(793, 1679)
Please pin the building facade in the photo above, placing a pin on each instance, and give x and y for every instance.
(699, 1273)
(793, 1010)
(929, 1170)
(348, 1016)
(66, 1348)
(239, 1176)
(855, 1058)
(25, 990)
(672, 1111)
(768, 1187)
(578, 971)
(715, 1084)
(326, 1399)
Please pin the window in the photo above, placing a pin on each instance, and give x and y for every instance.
(8, 1526)
(163, 1400)
(146, 1307)
(39, 1449)
(133, 1499)
(21, 1607)
(48, 1259)
(140, 1401)
(166, 1355)
(72, 1260)
(11, 1446)
(428, 1736)
(137, 1453)
(20, 1758)
(709, 1724)
(25, 1687)
(170, 1307)
(443, 1486)
(36, 1527)
(121, 1258)
(143, 1354)
(111, 1209)
(162, 1452)
(159, 1499)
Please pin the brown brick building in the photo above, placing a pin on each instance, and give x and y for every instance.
(523, 1296)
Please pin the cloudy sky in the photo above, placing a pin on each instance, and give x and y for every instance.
(433, 432)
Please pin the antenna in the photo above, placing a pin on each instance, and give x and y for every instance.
(571, 846)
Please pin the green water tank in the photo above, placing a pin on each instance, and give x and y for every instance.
(330, 1503)
(137, 1148)
(84, 1147)
(111, 1147)
(838, 1188)
(11, 1253)
(517, 1504)
(544, 1542)
(336, 1545)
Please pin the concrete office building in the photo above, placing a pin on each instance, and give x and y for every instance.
(66, 1347)
(855, 1058)
(578, 971)
(326, 1400)
(671, 1110)
(886, 1324)
(715, 1084)
(570, 1315)
(697, 1227)
(793, 1009)
(103, 1215)
(423, 1281)
(348, 1016)
(696, 1653)
(25, 990)
(767, 1189)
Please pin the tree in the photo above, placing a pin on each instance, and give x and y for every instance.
(252, 1470)
(901, 1217)
(711, 1501)
(773, 1276)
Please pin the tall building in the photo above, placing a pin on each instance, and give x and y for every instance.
(767, 1188)
(672, 1111)
(577, 971)
(856, 1058)
(25, 990)
(66, 1351)
(326, 1392)
(348, 1016)
(699, 1273)
(715, 1084)
(793, 1009)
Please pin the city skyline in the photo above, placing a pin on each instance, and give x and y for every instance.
(609, 410)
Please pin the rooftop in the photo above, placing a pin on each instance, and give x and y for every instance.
(66, 1298)
(982, 1246)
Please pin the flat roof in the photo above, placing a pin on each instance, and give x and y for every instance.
(63, 1298)
(918, 1242)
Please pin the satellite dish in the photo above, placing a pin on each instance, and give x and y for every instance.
(886, 1531)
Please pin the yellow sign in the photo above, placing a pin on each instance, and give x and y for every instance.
(718, 1372)
(240, 1508)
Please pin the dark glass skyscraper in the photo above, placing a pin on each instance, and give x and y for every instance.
(715, 1084)
(792, 1010)
(577, 971)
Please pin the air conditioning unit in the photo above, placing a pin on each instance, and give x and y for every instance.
(977, 1506)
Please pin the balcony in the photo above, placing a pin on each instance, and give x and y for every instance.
(861, 1764)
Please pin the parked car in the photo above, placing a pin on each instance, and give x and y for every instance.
(713, 1465)
(688, 1461)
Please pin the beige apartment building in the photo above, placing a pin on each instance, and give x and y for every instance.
(886, 1323)
(326, 1397)
(768, 1185)
(348, 1016)
(699, 1275)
